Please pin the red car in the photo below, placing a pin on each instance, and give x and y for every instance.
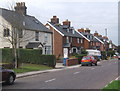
(8, 76)
(88, 60)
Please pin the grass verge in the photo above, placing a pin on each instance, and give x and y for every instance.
(114, 86)
(31, 67)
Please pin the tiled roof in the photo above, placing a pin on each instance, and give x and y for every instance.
(89, 34)
(23, 21)
(67, 31)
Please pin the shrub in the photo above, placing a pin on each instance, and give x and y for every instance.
(110, 53)
(103, 55)
(7, 55)
(80, 56)
(29, 56)
(84, 52)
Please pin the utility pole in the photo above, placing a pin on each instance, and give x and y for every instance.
(106, 32)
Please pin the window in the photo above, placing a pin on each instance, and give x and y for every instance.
(48, 50)
(6, 32)
(71, 39)
(20, 33)
(73, 31)
(67, 39)
(46, 37)
(78, 40)
(81, 41)
(68, 30)
(37, 36)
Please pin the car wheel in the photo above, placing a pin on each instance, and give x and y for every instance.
(10, 79)
(95, 64)
(90, 64)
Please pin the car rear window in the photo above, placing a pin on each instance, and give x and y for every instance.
(85, 58)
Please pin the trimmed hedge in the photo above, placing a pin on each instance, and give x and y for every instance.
(29, 56)
(80, 57)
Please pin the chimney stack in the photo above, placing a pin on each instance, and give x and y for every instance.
(67, 23)
(96, 33)
(55, 20)
(21, 8)
(81, 30)
(105, 37)
(87, 30)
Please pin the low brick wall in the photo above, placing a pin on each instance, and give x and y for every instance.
(70, 62)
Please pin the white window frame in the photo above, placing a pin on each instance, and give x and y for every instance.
(78, 40)
(67, 39)
(45, 37)
(71, 39)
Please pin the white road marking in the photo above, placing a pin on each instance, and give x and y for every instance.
(50, 80)
(76, 73)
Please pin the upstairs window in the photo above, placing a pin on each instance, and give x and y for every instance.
(6, 32)
(71, 39)
(68, 30)
(20, 33)
(78, 40)
(81, 41)
(73, 31)
(37, 36)
(46, 37)
(67, 39)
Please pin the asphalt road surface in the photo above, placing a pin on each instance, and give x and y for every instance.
(84, 77)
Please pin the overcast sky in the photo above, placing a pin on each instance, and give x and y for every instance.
(94, 14)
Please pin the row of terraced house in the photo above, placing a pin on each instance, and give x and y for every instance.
(51, 37)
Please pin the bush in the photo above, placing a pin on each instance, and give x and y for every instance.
(80, 57)
(104, 55)
(29, 56)
(7, 55)
(110, 53)
(84, 52)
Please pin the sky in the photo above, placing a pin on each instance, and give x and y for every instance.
(94, 14)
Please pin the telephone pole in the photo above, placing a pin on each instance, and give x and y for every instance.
(106, 32)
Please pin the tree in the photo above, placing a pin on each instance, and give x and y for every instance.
(15, 35)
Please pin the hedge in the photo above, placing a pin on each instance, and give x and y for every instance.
(80, 56)
(29, 56)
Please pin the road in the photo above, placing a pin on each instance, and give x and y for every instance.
(84, 77)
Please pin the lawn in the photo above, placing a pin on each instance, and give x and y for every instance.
(31, 67)
(114, 86)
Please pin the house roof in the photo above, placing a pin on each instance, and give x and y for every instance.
(89, 34)
(64, 30)
(33, 45)
(23, 21)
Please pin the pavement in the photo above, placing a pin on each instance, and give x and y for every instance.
(59, 66)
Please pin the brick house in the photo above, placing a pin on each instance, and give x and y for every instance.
(106, 43)
(64, 37)
(30, 32)
(100, 39)
(91, 41)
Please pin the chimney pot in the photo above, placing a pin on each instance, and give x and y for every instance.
(20, 8)
(68, 23)
(55, 20)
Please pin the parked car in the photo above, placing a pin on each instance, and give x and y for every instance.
(8, 76)
(88, 60)
(118, 56)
